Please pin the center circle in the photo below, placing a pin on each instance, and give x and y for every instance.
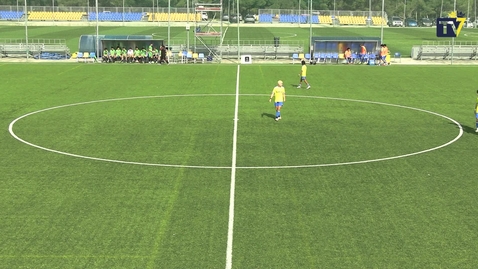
(11, 130)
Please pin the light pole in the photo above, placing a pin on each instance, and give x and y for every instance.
(311, 50)
(299, 15)
(334, 19)
(453, 39)
(370, 12)
(441, 9)
(169, 24)
(187, 24)
(97, 29)
(404, 10)
(53, 9)
(26, 27)
(238, 36)
(381, 28)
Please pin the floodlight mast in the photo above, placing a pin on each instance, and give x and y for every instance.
(381, 28)
(97, 29)
(26, 27)
(169, 23)
(238, 35)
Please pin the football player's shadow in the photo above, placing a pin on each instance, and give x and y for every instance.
(268, 115)
(468, 129)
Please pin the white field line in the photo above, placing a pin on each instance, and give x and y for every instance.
(230, 228)
(10, 129)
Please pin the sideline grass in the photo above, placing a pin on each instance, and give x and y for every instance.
(64, 212)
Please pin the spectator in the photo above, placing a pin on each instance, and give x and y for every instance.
(163, 58)
(106, 55)
(363, 52)
(111, 55)
(130, 55)
(383, 54)
(348, 56)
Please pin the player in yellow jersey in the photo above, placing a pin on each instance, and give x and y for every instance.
(279, 98)
(476, 112)
(303, 75)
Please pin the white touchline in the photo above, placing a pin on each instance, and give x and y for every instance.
(230, 225)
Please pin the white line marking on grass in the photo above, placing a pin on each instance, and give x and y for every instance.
(230, 225)
(460, 133)
(68, 70)
(10, 128)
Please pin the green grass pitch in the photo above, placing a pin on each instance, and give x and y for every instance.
(60, 211)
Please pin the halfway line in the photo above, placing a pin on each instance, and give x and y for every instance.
(233, 178)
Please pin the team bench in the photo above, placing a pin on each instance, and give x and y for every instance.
(433, 52)
(11, 50)
(33, 49)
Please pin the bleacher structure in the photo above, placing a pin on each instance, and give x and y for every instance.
(262, 49)
(445, 51)
(358, 18)
(55, 16)
(11, 15)
(116, 16)
(160, 14)
(35, 48)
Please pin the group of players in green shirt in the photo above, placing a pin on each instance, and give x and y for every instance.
(150, 55)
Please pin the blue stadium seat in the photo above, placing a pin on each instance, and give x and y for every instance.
(316, 56)
(265, 18)
(334, 57)
(10, 15)
(303, 18)
(115, 16)
(315, 19)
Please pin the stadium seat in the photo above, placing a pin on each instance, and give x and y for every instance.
(334, 57)
(10, 15)
(295, 57)
(195, 56)
(301, 56)
(79, 56)
(189, 56)
(93, 56)
(307, 56)
(86, 56)
(201, 57)
(265, 18)
(180, 57)
(316, 56)
(397, 57)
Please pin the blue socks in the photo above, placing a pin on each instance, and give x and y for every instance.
(277, 114)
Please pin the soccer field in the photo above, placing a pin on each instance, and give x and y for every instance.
(183, 166)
